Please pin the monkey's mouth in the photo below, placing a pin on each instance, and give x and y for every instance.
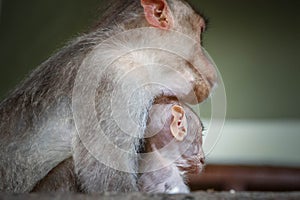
(192, 169)
(200, 92)
(165, 99)
(192, 165)
(202, 85)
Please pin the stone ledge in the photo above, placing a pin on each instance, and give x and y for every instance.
(140, 196)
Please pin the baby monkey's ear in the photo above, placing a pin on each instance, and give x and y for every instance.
(178, 126)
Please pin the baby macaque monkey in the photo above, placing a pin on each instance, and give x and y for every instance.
(174, 134)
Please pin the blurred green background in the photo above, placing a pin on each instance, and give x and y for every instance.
(254, 43)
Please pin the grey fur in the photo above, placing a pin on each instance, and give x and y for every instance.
(169, 179)
(62, 178)
(37, 127)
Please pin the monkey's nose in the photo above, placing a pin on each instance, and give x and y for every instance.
(202, 160)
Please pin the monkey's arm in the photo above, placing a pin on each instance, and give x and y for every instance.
(62, 178)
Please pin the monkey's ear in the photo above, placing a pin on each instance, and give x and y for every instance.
(178, 126)
(158, 13)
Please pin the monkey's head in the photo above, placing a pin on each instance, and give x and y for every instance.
(159, 41)
(198, 69)
(176, 130)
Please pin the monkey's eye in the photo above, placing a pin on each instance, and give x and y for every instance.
(201, 37)
(203, 28)
(203, 129)
(202, 126)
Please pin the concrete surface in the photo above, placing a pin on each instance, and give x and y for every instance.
(139, 196)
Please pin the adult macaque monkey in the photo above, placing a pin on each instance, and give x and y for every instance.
(39, 122)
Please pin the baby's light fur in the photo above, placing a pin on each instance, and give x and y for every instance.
(165, 170)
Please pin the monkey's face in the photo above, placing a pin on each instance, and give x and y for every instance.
(192, 160)
(176, 132)
(191, 24)
(194, 65)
